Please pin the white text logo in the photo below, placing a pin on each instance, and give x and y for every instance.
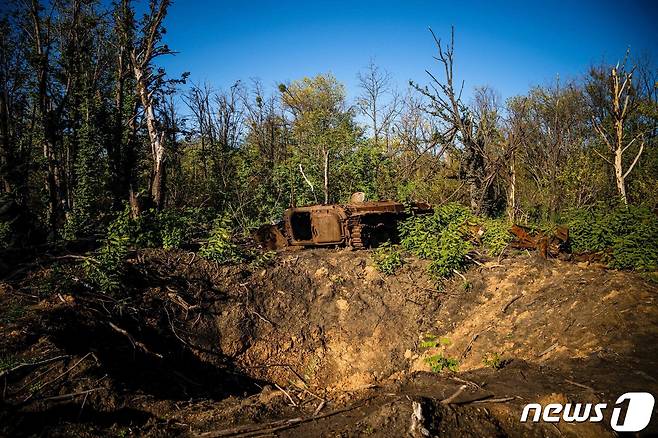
(638, 412)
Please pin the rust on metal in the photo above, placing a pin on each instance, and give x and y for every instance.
(548, 245)
(357, 224)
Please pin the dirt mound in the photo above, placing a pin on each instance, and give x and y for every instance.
(320, 343)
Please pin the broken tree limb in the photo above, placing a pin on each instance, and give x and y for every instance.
(417, 428)
(133, 341)
(451, 399)
(301, 169)
(31, 364)
(275, 426)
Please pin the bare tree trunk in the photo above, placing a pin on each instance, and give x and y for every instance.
(147, 84)
(622, 105)
(511, 202)
(326, 175)
(619, 175)
(157, 139)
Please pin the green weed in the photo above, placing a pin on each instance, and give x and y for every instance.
(438, 363)
(387, 258)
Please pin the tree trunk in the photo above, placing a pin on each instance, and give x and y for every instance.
(618, 163)
(157, 140)
(619, 174)
(511, 202)
(326, 176)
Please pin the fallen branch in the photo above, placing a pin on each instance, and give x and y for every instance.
(493, 400)
(580, 385)
(31, 364)
(287, 394)
(460, 274)
(62, 374)
(451, 399)
(133, 341)
(275, 426)
(260, 316)
(71, 395)
(548, 350)
(319, 408)
(511, 302)
(473, 260)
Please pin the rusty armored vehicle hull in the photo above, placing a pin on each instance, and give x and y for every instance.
(357, 225)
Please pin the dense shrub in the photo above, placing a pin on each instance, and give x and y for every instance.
(441, 237)
(626, 236)
(496, 235)
(219, 247)
(168, 228)
(106, 270)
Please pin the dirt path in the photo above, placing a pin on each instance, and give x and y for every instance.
(322, 339)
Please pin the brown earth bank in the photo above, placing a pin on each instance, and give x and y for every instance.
(319, 343)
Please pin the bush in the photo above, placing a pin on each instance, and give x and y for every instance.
(496, 236)
(495, 361)
(441, 238)
(387, 258)
(219, 247)
(168, 228)
(438, 363)
(107, 269)
(627, 236)
(431, 341)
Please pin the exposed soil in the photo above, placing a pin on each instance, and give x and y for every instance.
(320, 344)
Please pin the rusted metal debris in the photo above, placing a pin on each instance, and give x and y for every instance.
(548, 245)
(357, 224)
(362, 224)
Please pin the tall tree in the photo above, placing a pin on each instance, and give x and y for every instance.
(378, 102)
(322, 124)
(615, 104)
(15, 151)
(149, 81)
(461, 129)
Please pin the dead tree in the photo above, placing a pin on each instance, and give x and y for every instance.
(615, 94)
(379, 102)
(148, 81)
(460, 129)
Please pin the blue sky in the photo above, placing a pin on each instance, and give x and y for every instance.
(509, 46)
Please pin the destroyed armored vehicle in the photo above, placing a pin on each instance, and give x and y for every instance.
(357, 225)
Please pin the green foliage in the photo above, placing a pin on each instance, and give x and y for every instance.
(88, 169)
(496, 235)
(57, 279)
(219, 247)
(7, 362)
(440, 237)
(168, 228)
(438, 363)
(494, 360)
(387, 258)
(627, 236)
(263, 259)
(106, 270)
(651, 277)
(431, 341)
